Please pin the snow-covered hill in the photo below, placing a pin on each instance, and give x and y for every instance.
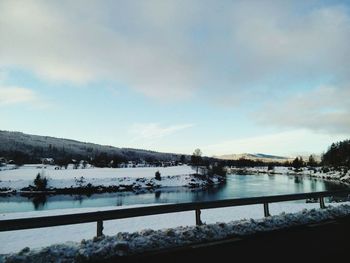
(44, 146)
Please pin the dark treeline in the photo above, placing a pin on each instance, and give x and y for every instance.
(252, 163)
(338, 154)
(102, 159)
(21, 148)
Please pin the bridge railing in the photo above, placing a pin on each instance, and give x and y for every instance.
(100, 216)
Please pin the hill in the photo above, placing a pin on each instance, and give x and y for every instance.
(27, 148)
(255, 157)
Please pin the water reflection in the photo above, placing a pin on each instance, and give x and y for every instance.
(271, 176)
(236, 186)
(298, 180)
(119, 201)
(299, 185)
(157, 195)
(80, 198)
(39, 201)
(313, 185)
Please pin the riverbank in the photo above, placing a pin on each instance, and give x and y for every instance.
(100, 180)
(338, 175)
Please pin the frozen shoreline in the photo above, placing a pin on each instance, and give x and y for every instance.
(330, 174)
(95, 180)
(13, 241)
(134, 179)
(166, 231)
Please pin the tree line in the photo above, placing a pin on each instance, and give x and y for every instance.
(337, 155)
(63, 157)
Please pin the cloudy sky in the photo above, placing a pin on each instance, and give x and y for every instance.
(224, 76)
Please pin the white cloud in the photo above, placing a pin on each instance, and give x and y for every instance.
(153, 131)
(16, 95)
(240, 51)
(283, 143)
(169, 49)
(325, 109)
(274, 42)
(52, 40)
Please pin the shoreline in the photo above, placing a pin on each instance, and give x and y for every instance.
(317, 172)
(139, 185)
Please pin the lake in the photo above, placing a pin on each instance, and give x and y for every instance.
(236, 186)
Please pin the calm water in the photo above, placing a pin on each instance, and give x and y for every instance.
(235, 187)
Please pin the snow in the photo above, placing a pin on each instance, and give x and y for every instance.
(168, 230)
(172, 176)
(123, 243)
(28, 172)
(341, 175)
(13, 241)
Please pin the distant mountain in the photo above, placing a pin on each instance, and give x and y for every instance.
(23, 146)
(254, 157)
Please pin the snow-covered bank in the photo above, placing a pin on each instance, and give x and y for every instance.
(14, 241)
(124, 243)
(340, 175)
(28, 172)
(105, 179)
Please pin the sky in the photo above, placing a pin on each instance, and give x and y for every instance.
(224, 76)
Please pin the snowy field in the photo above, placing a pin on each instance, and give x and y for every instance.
(14, 241)
(24, 176)
(173, 176)
(28, 172)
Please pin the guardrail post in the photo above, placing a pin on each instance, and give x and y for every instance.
(198, 217)
(322, 205)
(266, 210)
(99, 228)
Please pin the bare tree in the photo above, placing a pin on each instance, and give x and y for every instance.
(196, 158)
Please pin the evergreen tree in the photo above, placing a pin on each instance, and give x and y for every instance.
(298, 163)
(183, 159)
(338, 154)
(40, 182)
(157, 176)
(312, 161)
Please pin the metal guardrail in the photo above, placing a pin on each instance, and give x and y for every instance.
(100, 216)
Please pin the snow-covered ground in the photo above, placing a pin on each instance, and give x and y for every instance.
(28, 172)
(341, 175)
(16, 179)
(175, 226)
(13, 241)
(143, 177)
(171, 235)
